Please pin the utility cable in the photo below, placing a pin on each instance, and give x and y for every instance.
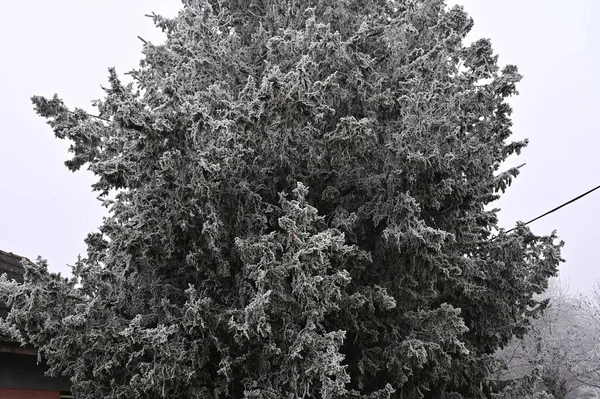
(554, 210)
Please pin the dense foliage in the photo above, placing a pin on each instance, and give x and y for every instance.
(297, 193)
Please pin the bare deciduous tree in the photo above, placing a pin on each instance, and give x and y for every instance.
(564, 343)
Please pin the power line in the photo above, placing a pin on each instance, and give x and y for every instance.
(555, 209)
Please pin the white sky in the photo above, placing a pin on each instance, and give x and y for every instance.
(66, 46)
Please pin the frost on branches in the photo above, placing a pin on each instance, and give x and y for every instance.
(297, 193)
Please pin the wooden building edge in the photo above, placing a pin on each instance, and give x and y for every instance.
(20, 374)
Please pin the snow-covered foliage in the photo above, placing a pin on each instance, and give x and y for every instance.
(300, 211)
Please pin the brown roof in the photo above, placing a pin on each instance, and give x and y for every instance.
(11, 265)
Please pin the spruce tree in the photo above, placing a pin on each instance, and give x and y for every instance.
(298, 199)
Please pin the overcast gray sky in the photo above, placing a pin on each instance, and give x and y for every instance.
(66, 46)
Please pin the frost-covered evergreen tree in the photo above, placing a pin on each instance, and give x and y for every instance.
(297, 193)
